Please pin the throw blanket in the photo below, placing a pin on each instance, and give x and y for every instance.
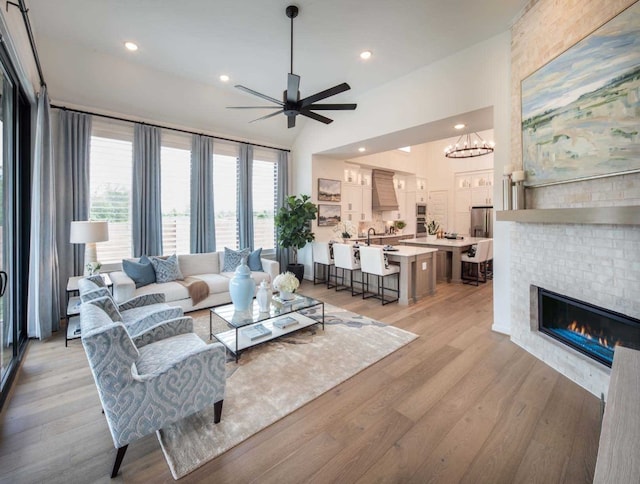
(198, 289)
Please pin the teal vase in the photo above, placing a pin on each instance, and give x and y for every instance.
(242, 287)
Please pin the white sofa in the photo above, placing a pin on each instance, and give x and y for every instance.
(205, 266)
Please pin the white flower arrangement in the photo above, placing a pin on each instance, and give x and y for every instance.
(345, 229)
(286, 282)
(93, 267)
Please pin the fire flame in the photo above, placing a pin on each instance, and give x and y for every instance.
(588, 333)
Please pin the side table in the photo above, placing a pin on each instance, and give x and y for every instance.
(73, 306)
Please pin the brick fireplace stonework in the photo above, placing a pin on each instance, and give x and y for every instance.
(599, 264)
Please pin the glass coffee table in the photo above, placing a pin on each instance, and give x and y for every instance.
(251, 327)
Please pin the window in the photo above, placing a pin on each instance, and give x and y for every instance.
(264, 185)
(175, 159)
(110, 174)
(225, 196)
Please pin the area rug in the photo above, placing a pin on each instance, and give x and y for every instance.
(274, 379)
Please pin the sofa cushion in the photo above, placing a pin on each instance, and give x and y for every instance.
(173, 291)
(141, 272)
(167, 270)
(254, 262)
(233, 258)
(217, 283)
(196, 264)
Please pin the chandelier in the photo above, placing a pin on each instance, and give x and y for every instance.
(466, 147)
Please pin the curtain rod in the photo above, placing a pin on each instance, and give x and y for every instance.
(25, 17)
(116, 118)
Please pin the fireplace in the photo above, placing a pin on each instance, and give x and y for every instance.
(589, 329)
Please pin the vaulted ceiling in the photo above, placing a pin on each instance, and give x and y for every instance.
(184, 46)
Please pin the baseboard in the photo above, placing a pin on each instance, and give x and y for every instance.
(501, 328)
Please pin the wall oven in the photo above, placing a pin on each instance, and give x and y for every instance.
(421, 218)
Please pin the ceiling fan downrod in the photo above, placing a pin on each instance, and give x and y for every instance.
(292, 12)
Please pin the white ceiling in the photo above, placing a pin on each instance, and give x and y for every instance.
(185, 45)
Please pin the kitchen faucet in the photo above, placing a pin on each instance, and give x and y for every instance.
(369, 235)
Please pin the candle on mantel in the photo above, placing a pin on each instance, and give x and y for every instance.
(518, 176)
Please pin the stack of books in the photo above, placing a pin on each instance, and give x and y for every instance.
(256, 331)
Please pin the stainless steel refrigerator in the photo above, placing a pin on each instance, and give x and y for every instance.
(482, 221)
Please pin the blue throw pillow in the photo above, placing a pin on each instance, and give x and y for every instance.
(167, 270)
(254, 262)
(141, 272)
(233, 258)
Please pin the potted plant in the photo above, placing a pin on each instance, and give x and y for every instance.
(432, 229)
(399, 226)
(293, 228)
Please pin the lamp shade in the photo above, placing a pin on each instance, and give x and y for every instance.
(84, 232)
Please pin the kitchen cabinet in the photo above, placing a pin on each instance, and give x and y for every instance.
(421, 190)
(356, 203)
(402, 212)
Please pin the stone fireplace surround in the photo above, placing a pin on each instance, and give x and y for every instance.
(599, 264)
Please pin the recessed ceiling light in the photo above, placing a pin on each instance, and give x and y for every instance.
(131, 46)
(406, 149)
(460, 126)
(224, 78)
(362, 149)
(365, 54)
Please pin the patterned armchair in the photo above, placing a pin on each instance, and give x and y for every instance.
(138, 314)
(144, 388)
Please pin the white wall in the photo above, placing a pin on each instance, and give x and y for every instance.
(474, 78)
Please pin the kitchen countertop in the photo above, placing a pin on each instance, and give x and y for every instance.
(377, 236)
(443, 242)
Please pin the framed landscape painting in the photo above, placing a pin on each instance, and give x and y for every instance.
(328, 215)
(580, 111)
(328, 190)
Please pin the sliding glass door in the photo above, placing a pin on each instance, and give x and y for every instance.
(15, 162)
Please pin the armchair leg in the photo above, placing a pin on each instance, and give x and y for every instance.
(217, 411)
(119, 457)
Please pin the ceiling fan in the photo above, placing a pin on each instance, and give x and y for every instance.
(291, 104)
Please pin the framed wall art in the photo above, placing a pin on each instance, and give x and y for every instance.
(328, 215)
(580, 111)
(328, 190)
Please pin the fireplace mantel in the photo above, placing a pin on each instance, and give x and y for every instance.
(629, 215)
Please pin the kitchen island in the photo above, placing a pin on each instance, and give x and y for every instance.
(417, 271)
(454, 249)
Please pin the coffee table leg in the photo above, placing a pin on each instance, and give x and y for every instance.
(210, 325)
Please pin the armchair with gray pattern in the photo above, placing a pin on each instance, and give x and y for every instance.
(143, 388)
(138, 314)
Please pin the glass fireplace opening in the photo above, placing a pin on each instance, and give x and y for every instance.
(589, 329)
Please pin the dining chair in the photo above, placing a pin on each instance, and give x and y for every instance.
(473, 267)
(347, 258)
(322, 263)
(373, 263)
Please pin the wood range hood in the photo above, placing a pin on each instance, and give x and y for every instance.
(384, 193)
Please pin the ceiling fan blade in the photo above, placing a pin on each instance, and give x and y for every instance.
(328, 107)
(293, 85)
(317, 117)
(291, 121)
(256, 93)
(271, 115)
(332, 91)
(254, 107)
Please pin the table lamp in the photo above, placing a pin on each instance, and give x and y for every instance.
(88, 233)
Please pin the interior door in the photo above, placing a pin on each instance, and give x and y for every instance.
(439, 208)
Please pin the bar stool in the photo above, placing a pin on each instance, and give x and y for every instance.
(477, 262)
(344, 257)
(322, 257)
(372, 263)
(489, 267)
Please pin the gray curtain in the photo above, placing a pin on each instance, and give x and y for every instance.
(145, 194)
(43, 302)
(203, 229)
(245, 196)
(282, 192)
(72, 176)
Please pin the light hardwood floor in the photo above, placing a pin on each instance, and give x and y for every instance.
(459, 404)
